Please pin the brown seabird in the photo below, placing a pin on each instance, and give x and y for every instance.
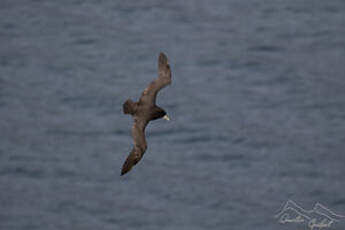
(144, 111)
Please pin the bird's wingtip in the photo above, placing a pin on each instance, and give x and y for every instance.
(124, 171)
(126, 168)
(163, 58)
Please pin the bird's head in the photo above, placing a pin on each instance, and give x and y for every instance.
(160, 113)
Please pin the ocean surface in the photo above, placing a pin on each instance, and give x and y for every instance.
(257, 108)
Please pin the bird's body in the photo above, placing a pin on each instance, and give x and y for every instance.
(144, 111)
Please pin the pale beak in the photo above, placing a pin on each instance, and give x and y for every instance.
(166, 118)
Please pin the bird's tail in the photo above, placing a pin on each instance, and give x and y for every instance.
(129, 107)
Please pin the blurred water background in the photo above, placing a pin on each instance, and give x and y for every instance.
(257, 109)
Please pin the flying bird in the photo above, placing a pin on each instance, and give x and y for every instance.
(144, 111)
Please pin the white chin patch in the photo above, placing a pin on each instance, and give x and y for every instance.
(166, 118)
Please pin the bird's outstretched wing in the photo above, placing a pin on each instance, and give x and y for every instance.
(132, 159)
(139, 148)
(164, 78)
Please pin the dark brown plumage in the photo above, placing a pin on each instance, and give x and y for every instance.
(144, 111)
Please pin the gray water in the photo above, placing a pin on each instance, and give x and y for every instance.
(257, 108)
